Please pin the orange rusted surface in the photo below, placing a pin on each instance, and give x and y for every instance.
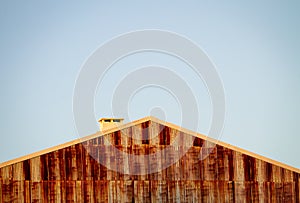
(74, 174)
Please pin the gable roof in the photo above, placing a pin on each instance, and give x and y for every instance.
(145, 119)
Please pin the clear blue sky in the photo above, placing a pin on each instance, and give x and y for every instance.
(254, 45)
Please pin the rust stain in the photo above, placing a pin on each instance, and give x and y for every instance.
(71, 174)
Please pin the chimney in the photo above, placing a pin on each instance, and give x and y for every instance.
(106, 123)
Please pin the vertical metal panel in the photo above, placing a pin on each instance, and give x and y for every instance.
(18, 191)
(173, 194)
(72, 174)
(87, 165)
(142, 191)
(205, 191)
(238, 167)
(240, 192)
(70, 191)
(159, 191)
(137, 134)
(297, 186)
(254, 187)
(287, 175)
(27, 191)
(88, 189)
(1, 196)
(229, 193)
(79, 192)
(249, 168)
(288, 192)
(100, 192)
(212, 165)
(192, 163)
(112, 194)
(7, 188)
(68, 163)
(35, 169)
(18, 174)
(145, 132)
(279, 191)
(259, 171)
(6, 173)
(277, 176)
(222, 164)
(36, 191)
(53, 163)
(62, 164)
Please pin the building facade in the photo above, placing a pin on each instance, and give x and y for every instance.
(93, 169)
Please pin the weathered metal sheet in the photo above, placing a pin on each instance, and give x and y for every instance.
(74, 174)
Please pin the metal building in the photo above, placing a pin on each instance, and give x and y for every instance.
(192, 168)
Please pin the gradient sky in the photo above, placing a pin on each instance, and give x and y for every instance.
(254, 45)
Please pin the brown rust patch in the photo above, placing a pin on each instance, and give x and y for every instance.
(26, 169)
(73, 175)
(249, 168)
(269, 172)
(145, 132)
(198, 142)
(231, 168)
(297, 189)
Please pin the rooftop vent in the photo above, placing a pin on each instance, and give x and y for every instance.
(106, 123)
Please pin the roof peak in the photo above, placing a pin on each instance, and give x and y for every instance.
(142, 120)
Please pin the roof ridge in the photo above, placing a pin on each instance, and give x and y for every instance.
(139, 121)
(76, 141)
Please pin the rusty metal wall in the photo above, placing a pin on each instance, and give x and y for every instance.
(71, 174)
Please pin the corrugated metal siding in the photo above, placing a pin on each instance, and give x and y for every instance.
(71, 174)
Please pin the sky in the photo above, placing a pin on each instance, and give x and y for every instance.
(254, 46)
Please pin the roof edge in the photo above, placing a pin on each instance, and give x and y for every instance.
(74, 142)
(229, 146)
(139, 121)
